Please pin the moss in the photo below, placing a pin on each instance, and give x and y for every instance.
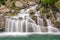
(48, 1)
(11, 14)
(34, 18)
(31, 12)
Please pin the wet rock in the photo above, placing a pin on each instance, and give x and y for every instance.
(52, 20)
(34, 18)
(2, 21)
(44, 22)
(58, 16)
(57, 24)
(38, 7)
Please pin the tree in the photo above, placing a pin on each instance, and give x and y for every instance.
(2, 2)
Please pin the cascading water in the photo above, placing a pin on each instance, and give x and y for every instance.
(50, 27)
(24, 23)
(40, 22)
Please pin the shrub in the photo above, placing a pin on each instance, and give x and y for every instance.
(48, 1)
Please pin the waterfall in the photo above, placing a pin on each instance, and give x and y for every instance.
(51, 28)
(31, 8)
(24, 23)
(40, 22)
(9, 25)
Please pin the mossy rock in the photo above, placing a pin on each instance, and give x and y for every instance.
(11, 14)
(34, 18)
(11, 4)
(31, 12)
(44, 22)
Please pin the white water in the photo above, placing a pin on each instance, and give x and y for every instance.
(23, 22)
(51, 28)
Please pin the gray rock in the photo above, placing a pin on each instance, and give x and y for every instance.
(2, 21)
(58, 16)
(31, 3)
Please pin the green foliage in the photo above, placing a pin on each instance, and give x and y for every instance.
(48, 1)
(2, 2)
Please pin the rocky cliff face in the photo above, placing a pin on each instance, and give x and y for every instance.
(2, 22)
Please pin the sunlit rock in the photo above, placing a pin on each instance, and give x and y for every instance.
(19, 4)
(5, 10)
(31, 3)
(2, 7)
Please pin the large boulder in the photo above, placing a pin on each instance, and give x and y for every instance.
(19, 4)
